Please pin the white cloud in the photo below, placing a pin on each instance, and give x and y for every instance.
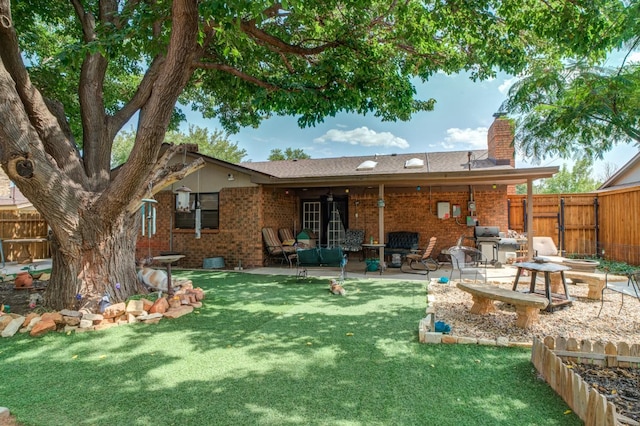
(466, 138)
(363, 136)
(506, 85)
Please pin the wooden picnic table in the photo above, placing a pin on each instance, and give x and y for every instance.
(547, 268)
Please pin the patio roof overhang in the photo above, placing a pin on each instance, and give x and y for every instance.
(506, 176)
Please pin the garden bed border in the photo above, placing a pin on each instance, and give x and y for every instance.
(593, 408)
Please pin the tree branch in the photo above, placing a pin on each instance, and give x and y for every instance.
(163, 175)
(140, 97)
(155, 114)
(261, 37)
(61, 148)
(96, 143)
(236, 72)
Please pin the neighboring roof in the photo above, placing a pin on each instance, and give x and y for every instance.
(451, 167)
(627, 175)
(15, 201)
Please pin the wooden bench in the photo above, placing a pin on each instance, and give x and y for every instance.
(527, 305)
(596, 282)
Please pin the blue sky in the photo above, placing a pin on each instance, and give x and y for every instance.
(463, 113)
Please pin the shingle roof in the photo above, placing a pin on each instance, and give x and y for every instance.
(393, 164)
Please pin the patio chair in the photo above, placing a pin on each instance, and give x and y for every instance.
(286, 236)
(421, 263)
(631, 289)
(275, 249)
(353, 239)
(468, 261)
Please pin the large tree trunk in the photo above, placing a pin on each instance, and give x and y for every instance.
(101, 262)
(91, 211)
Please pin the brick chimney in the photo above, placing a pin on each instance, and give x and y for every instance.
(500, 141)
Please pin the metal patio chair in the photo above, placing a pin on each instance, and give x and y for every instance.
(468, 261)
(421, 263)
(632, 288)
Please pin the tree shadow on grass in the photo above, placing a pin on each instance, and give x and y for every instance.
(265, 350)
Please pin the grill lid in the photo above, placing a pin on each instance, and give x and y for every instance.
(486, 231)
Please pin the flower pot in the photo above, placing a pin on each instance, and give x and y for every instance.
(372, 264)
(23, 280)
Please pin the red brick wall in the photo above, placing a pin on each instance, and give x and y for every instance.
(416, 211)
(500, 141)
(245, 211)
(243, 214)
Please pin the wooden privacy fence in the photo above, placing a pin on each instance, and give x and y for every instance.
(600, 223)
(588, 404)
(16, 226)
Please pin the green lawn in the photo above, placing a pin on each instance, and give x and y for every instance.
(270, 350)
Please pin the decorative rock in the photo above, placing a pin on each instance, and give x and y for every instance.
(84, 323)
(467, 340)
(502, 341)
(32, 323)
(131, 318)
(4, 413)
(446, 338)
(135, 307)
(70, 313)
(43, 327)
(487, 342)
(104, 326)
(116, 310)
(152, 321)
(433, 337)
(13, 327)
(160, 306)
(4, 321)
(28, 318)
(197, 305)
(71, 321)
(92, 317)
(520, 344)
(199, 293)
(68, 328)
(146, 304)
(149, 316)
(53, 316)
(178, 312)
(174, 302)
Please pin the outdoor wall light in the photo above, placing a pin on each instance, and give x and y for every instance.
(418, 188)
(231, 177)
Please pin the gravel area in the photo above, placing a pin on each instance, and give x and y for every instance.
(579, 320)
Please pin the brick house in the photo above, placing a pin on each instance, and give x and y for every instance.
(430, 193)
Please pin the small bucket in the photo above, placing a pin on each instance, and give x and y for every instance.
(213, 263)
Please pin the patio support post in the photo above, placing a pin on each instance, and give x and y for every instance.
(529, 229)
(381, 222)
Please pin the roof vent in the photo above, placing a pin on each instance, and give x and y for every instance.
(367, 165)
(414, 163)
